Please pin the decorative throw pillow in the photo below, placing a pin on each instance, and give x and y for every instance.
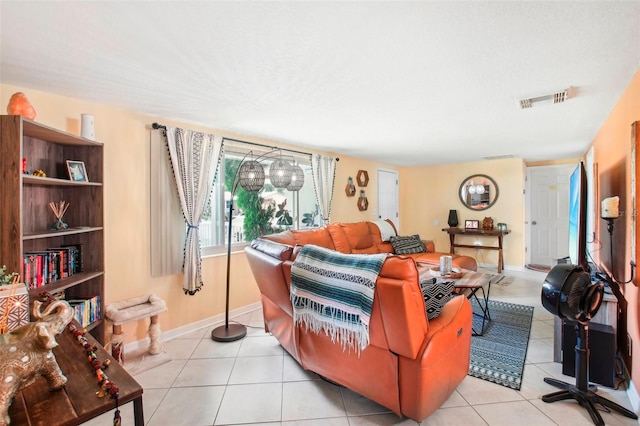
(407, 245)
(436, 295)
(386, 229)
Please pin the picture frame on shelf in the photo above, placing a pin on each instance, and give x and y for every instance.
(471, 224)
(77, 171)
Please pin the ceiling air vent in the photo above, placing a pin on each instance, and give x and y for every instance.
(551, 98)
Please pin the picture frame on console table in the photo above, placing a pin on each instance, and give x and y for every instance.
(471, 224)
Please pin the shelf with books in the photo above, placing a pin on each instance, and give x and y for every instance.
(97, 323)
(26, 216)
(87, 310)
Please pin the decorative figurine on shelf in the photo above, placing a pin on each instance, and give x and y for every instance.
(487, 223)
(20, 105)
(363, 203)
(39, 173)
(26, 353)
(59, 210)
(502, 226)
(350, 189)
(24, 166)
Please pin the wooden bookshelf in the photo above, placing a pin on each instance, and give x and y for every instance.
(25, 216)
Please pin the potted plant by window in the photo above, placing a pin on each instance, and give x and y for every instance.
(282, 215)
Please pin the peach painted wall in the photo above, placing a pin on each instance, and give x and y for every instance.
(612, 149)
(346, 208)
(126, 138)
(427, 194)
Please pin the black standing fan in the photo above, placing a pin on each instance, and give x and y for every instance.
(569, 293)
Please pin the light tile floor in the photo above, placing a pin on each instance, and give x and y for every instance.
(254, 381)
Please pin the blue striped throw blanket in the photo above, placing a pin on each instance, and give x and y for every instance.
(333, 292)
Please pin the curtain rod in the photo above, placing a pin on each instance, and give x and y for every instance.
(160, 126)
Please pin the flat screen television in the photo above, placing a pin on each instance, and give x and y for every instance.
(578, 217)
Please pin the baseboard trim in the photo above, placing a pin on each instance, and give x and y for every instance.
(632, 393)
(191, 327)
(633, 396)
(505, 268)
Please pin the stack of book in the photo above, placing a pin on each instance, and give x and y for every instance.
(47, 266)
(86, 309)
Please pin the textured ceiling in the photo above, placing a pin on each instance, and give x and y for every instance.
(404, 83)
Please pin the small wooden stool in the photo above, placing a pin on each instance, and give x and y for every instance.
(148, 306)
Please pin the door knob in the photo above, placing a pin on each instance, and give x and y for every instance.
(534, 222)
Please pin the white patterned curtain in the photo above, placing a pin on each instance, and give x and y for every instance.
(323, 169)
(194, 158)
(166, 218)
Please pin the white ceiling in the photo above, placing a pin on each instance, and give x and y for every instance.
(405, 83)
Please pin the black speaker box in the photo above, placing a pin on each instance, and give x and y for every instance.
(602, 353)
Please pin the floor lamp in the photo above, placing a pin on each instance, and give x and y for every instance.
(251, 177)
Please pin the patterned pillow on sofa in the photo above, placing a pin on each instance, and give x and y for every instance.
(435, 295)
(407, 245)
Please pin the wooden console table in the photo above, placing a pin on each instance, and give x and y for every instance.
(77, 402)
(478, 233)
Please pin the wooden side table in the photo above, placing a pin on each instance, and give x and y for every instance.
(480, 233)
(468, 285)
(77, 402)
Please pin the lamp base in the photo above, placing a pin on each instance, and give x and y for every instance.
(228, 333)
(586, 399)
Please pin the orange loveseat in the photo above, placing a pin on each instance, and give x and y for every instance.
(412, 364)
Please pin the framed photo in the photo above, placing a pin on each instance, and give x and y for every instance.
(77, 171)
(471, 224)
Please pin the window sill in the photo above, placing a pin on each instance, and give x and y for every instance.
(222, 250)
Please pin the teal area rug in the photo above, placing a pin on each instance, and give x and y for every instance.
(498, 356)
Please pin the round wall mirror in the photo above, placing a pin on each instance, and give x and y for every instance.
(478, 192)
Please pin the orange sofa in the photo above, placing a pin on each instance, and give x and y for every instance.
(412, 364)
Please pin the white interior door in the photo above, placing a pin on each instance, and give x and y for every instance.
(548, 213)
(388, 195)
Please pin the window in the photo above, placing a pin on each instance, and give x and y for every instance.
(268, 211)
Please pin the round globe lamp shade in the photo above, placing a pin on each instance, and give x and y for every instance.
(251, 176)
(280, 173)
(297, 179)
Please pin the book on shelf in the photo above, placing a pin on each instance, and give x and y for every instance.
(86, 309)
(77, 260)
(43, 268)
(65, 268)
(47, 266)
